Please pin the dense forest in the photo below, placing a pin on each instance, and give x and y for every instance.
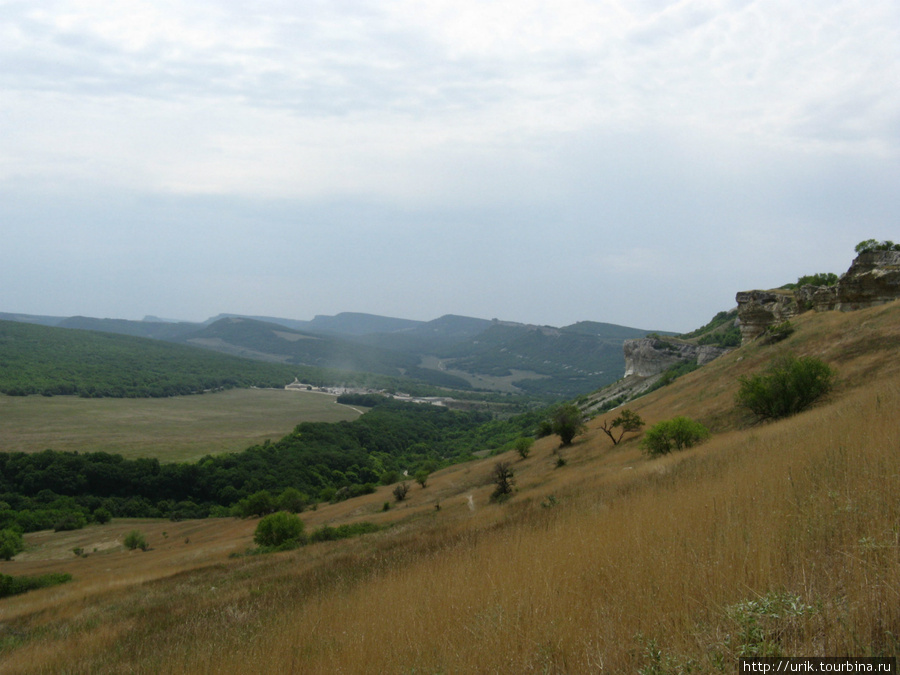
(322, 461)
(52, 361)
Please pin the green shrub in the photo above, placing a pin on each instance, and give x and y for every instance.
(15, 585)
(502, 476)
(875, 245)
(102, 516)
(523, 446)
(677, 433)
(777, 332)
(400, 491)
(278, 529)
(10, 544)
(328, 533)
(292, 500)
(788, 386)
(135, 539)
(567, 422)
(73, 520)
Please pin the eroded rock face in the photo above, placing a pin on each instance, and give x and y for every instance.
(757, 310)
(873, 279)
(645, 357)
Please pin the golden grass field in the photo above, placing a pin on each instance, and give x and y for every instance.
(180, 428)
(781, 538)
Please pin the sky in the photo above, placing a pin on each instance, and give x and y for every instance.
(633, 162)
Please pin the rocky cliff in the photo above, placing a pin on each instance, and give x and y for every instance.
(646, 357)
(873, 279)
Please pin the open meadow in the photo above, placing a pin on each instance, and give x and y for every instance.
(179, 428)
(779, 538)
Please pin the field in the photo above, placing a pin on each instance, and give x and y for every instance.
(781, 538)
(180, 428)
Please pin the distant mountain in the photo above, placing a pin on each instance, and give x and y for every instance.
(31, 318)
(451, 351)
(430, 337)
(148, 329)
(355, 324)
(296, 324)
(274, 342)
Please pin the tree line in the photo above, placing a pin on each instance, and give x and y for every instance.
(322, 461)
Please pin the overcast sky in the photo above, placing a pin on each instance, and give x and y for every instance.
(632, 161)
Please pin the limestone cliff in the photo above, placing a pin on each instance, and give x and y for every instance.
(873, 279)
(646, 357)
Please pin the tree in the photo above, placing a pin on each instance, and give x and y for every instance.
(102, 516)
(523, 446)
(400, 491)
(875, 245)
(788, 386)
(258, 504)
(292, 500)
(628, 421)
(10, 544)
(502, 475)
(567, 422)
(422, 477)
(278, 529)
(677, 433)
(135, 539)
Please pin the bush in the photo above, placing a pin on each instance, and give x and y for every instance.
(567, 422)
(102, 516)
(15, 585)
(135, 539)
(292, 500)
(875, 245)
(72, 520)
(10, 544)
(400, 491)
(523, 446)
(278, 529)
(674, 434)
(790, 385)
(777, 332)
(502, 475)
(328, 533)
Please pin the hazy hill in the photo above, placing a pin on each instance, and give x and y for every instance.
(451, 351)
(257, 339)
(149, 329)
(48, 360)
(355, 323)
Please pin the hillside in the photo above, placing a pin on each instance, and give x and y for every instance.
(39, 359)
(767, 539)
(453, 352)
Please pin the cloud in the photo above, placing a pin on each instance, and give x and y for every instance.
(573, 158)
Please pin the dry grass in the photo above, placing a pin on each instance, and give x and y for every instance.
(633, 564)
(180, 428)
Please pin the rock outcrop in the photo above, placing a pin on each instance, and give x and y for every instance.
(757, 310)
(646, 357)
(873, 279)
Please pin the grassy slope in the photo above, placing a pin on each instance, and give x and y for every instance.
(180, 428)
(659, 548)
